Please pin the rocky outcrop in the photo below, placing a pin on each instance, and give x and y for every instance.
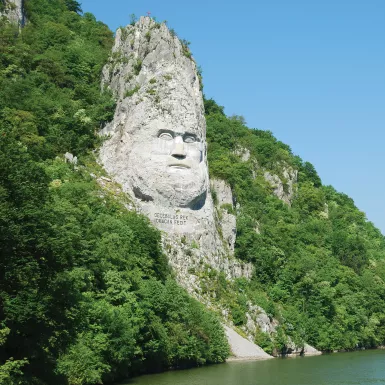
(243, 153)
(225, 208)
(13, 10)
(258, 320)
(156, 149)
(308, 350)
(283, 187)
(68, 157)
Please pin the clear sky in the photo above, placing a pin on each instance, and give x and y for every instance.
(311, 71)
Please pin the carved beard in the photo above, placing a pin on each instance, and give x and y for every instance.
(179, 188)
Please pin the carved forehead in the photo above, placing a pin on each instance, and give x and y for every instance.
(165, 104)
(147, 118)
(153, 128)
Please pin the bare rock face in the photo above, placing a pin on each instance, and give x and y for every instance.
(13, 10)
(243, 153)
(257, 319)
(225, 208)
(159, 141)
(156, 147)
(223, 192)
(283, 187)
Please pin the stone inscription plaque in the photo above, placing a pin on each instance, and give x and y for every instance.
(178, 221)
(171, 219)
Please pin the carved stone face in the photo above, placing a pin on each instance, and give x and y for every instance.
(158, 146)
(167, 163)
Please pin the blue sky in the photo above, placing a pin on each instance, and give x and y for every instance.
(311, 71)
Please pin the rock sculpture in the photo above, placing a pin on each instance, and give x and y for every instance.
(156, 149)
(158, 146)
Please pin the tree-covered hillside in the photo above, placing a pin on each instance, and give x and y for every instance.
(86, 294)
(319, 264)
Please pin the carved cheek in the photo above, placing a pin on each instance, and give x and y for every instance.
(194, 153)
(162, 147)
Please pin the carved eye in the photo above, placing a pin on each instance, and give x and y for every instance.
(189, 139)
(166, 136)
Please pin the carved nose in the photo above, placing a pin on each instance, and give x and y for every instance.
(178, 151)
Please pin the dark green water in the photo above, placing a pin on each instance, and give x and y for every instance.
(357, 368)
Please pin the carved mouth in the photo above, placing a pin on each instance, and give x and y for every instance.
(179, 166)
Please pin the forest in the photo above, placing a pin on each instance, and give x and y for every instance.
(319, 263)
(86, 293)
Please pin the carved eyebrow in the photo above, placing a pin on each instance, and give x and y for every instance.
(175, 133)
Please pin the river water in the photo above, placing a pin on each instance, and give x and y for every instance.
(356, 368)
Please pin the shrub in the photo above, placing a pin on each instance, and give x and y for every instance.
(131, 92)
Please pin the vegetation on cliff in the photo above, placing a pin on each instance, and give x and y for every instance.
(319, 264)
(86, 294)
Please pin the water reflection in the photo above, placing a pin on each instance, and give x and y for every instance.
(358, 368)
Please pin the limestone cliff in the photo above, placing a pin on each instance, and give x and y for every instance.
(13, 10)
(156, 149)
(284, 186)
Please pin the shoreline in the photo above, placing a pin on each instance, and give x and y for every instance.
(233, 359)
(260, 358)
(310, 354)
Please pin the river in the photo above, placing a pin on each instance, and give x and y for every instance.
(356, 368)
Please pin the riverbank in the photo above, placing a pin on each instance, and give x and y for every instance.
(353, 368)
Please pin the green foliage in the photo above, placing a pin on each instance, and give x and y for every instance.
(319, 263)
(309, 200)
(91, 280)
(85, 282)
(49, 73)
(6, 6)
(228, 207)
(137, 67)
(211, 107)
(308, 172)
(264, 341)
(131, 92)
(238, 315)
(73, 6)
(194, 245)
(86, 294)
(133, 19)
(11, 373)
(186, 48)
(200, 77)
